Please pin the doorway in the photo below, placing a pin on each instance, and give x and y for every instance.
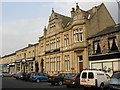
(36, 67)
(80, 63)
(80, 66)
(42, 65)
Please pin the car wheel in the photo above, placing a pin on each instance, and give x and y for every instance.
(38, 80)
(76, 84)
(60, 83)
(102, 86)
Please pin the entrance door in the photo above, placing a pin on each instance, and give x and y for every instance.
(80, 62)
(80, 66)
(36, 67)
(42, 65)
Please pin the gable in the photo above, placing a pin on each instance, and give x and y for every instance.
(100, 19)
(56, 23)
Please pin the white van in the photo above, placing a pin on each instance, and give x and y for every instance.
(94, 78)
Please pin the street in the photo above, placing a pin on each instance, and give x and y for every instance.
(12, 83)
(9, 82)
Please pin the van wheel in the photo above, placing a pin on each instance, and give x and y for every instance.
(102, 86)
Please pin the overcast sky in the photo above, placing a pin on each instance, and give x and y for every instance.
(22, 23)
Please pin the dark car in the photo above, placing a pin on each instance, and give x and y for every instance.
(115, 81)
(27, 76)
(38, 76)
(72, 80)
(20, 75)
(56, 79)
(13, 75)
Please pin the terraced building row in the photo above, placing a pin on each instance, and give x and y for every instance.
(70, 44)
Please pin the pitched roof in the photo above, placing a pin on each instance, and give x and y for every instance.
(91, 13)
(108, 30)
(65, 19)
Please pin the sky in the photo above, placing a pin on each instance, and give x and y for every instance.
(22, 23)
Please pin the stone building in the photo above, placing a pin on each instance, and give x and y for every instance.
(104, 49)
(26, 58)
(63, 47)
(8, 64)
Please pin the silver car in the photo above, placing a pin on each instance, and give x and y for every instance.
(115, 81)
(5, 74)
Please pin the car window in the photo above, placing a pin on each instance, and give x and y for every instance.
(90, 75)
(84, 75)
(56, 74)
(78, 75)
(70, 75)
(116, 75)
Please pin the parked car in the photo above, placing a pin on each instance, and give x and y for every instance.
(38, 76)
(0, 73)
(13, 75)
(27, 76)
(56, 79)
(72, 80)
(94, 78)
(5, 74)
(115, 81)
(20, 75)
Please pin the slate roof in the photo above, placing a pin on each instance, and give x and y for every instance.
(68, 20)
(65, 19)
(108, 30)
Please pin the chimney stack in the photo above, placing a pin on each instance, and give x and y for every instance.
(72, 12)
(77, 7)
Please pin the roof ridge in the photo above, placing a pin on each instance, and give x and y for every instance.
(62, 15)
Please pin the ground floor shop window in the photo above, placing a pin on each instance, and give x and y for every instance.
(31, 66)
(18, 67)
(107, 66)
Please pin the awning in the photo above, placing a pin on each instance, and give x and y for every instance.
(18, 61)
(23, 60)
(11, 64)
(30, 59)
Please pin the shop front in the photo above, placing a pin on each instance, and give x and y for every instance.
(5, 68)
(12, 68)
(109, 63)
(29, 64)
(17, 66)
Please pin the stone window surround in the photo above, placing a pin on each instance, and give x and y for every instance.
(78, 34)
